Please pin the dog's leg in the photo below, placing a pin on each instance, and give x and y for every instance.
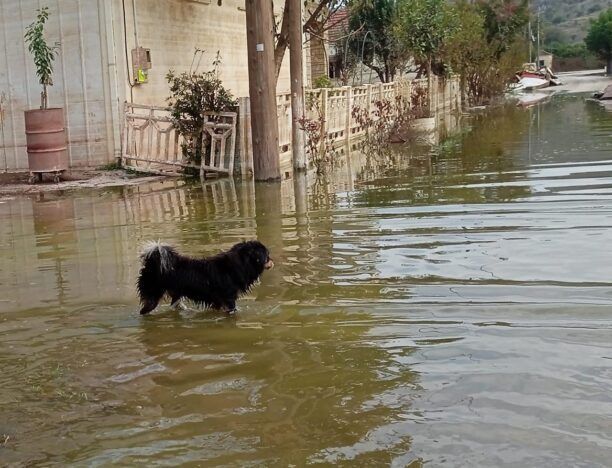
(177, 303)
(148, 306)
(230, 307)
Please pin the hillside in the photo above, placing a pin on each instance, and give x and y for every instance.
(569, 19)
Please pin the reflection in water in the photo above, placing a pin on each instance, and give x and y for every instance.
(450, 308)
(277, 380)
(55, 237)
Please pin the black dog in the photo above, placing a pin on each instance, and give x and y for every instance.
(215, 282)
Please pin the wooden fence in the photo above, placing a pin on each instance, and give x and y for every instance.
(151, 143)
(336, 105)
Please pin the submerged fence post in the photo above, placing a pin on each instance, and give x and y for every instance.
(349, 107)
(325, 108)
(324, 112)
(431, 95)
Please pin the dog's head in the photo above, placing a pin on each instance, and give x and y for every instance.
(255, 253)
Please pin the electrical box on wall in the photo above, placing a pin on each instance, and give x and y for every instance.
(141, 64)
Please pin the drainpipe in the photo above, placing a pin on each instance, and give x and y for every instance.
(538, 52)
(135, 23)
(127, 58)
(2, 100)
(114, 117)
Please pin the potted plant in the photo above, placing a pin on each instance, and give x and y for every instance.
(45, 129)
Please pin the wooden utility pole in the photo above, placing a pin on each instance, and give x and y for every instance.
(538, 48)
(262, 89)
(297, 84)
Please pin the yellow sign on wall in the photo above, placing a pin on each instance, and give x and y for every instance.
(142, 76)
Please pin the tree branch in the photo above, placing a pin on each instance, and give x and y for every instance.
(313, 26)
(309, 25)
(282, 41)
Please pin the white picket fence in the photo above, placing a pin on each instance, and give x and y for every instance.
(337, 104)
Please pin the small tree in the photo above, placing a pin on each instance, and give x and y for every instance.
(503, 21)
(193, 96)
(423, 27)
(380, 49)
(599, 38)
(43, 53)
(319, 143)
(486, 62)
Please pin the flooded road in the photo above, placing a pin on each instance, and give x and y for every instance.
(451, 309)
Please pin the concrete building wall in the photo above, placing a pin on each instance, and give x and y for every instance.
(92, 79)
(173, 29)
(82, 84)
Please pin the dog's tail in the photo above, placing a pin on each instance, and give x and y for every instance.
(158, 256)
(157, 260)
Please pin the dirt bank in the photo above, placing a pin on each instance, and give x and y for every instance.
(17, 183)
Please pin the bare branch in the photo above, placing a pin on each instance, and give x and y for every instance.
(282, 41)
(316, 25)
(314, 16)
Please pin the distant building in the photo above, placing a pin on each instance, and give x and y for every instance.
(338, 36)
(545, 60)
(107, 47)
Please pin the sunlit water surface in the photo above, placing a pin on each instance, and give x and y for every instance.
(449, 308)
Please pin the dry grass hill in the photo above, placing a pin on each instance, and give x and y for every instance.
(570, 18)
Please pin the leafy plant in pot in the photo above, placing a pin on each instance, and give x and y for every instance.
(45, 129)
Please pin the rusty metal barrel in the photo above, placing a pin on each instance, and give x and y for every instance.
(46, 140)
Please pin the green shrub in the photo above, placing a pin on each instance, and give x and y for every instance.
(192, 96)
(323, 81)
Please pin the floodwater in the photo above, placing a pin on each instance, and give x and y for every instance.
(446, 307)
